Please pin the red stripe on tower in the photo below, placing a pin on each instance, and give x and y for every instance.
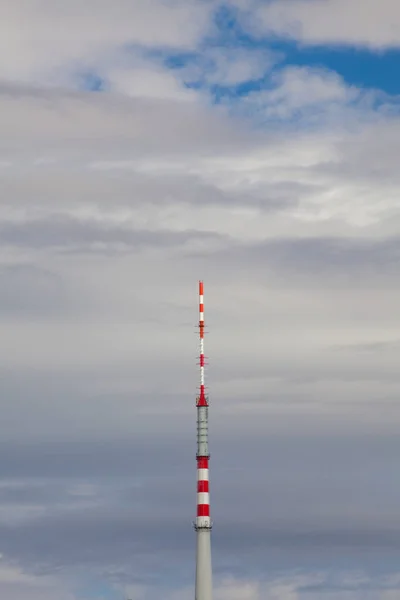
(202, 486)
(203, 510)
(202, 463)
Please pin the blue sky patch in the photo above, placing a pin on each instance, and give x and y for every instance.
(91, 82)
(357, 67)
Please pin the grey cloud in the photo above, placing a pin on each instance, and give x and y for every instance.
(337, 254)
(30, 290)
(373, 347)
(133, 544)
(315, 257)
(109, 126)
(120, 535)
(366, 157)
(28, 493)
(17, 586)
(318, 257)
(125, 187)
(64, 232)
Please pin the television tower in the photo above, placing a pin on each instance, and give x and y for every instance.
(202, 525)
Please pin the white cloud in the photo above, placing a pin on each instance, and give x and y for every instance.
(42, 40)
(147, 81)
(229, 66)
(299, 89)
(368, 23)
(236, 66)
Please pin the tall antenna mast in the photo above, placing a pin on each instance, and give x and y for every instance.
(203, 590)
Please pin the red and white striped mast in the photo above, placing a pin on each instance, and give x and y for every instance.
(203, 590)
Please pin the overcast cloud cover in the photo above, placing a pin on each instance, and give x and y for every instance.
(145, 144)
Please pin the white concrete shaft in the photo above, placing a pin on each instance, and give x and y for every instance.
(203, 566)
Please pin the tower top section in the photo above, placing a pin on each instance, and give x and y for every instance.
(201, 400)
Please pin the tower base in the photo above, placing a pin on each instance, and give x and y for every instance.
(203, 565)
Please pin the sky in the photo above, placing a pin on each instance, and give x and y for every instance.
(147, 144)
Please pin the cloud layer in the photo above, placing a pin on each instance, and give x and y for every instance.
(160, 143)
(330, 22)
